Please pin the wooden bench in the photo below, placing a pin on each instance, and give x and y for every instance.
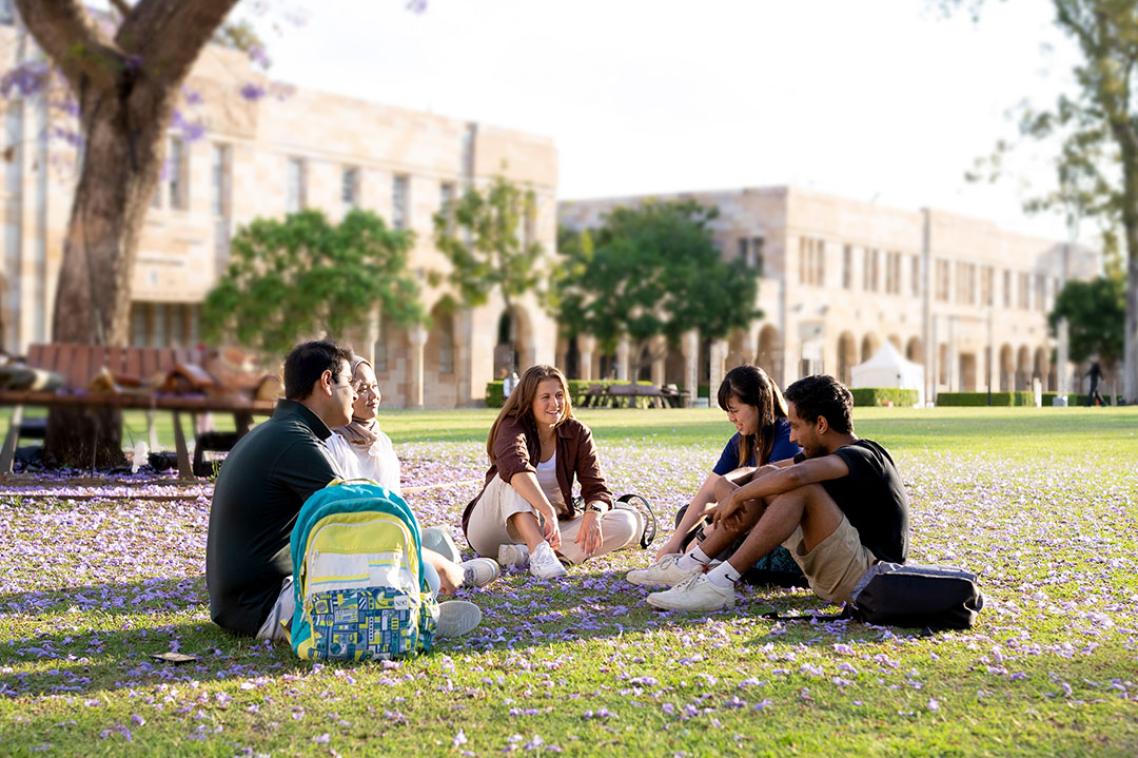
(79, 364)
(625, 396)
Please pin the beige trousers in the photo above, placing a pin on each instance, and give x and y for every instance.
(488, 528)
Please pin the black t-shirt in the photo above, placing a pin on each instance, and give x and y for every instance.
(873, 498)
(267, 476)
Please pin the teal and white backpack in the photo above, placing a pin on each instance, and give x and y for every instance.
(358, 577)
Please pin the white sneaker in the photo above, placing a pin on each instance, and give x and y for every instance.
(695, 594)
(478, 572)
(662, 573)
(544, 564)
(513, 555)
(457, 617)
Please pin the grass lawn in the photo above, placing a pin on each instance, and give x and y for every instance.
(1041, 503)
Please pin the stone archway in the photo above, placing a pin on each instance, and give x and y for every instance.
(1041, 368)
(915, 350)
(393, 364)
(847, 357)
(738, 351)
(1007, 368)
(1023, 368)
(869, 345)
(440, 379)
(768, 355)
(515, 349)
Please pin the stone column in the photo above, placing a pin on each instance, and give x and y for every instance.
(585, 347)
(1062, 359)
(689, 345)
(417, 337)
(622, 368)
(659, 351)
(718, 355)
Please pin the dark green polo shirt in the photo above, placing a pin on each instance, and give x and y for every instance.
(265, 479)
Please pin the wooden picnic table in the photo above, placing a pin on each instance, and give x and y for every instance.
(625, 396)
(77, 364)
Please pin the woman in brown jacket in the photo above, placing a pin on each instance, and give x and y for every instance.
(525, 510)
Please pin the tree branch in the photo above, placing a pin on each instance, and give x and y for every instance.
(166, 36)
(122, 6)
(65, 33)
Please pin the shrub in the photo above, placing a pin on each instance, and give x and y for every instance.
(577, 390)
(976, 399)
(868, 397)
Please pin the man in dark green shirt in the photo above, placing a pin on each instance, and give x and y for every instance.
(267, 476)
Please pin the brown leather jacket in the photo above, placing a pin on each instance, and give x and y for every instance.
(517, 449)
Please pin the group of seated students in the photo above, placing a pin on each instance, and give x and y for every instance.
(794, 474)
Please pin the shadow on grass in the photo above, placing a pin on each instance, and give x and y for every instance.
(518, 613)
(155, 595)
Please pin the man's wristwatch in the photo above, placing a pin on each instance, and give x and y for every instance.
(597, 508)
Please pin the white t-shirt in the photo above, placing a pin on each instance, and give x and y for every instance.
(378, 463)
(547, 478)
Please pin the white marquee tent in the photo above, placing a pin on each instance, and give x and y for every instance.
(888, 368)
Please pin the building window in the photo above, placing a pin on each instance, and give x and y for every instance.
(987, 277)
(869, 272)
(177, 162)
(350, 187)
(1041, 292)
(915, 276)
(893, 273)
(811, 261)
(847, 267)
(1024, 290)
(745, 250)
(400, 202)
(469, 136)
(758, 254)
(221, 161)
(942, 280)
(297, 179)
(965, 286)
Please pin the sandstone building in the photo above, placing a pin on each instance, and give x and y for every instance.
(958, 295)
(244, 148)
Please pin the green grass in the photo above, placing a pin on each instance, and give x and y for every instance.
(1041, 503)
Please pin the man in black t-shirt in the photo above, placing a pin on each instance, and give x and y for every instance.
(839, 507)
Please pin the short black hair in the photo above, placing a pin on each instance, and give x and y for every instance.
(307, 361)
(823, 396)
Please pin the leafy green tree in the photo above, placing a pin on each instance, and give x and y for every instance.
(1096, 128)
(651, 271)
(303, 276)
(1095, 312)
(488, 238)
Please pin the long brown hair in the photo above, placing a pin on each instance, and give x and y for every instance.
(519, 404)
(750, 385)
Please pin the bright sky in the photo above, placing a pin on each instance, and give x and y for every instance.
(885, 100)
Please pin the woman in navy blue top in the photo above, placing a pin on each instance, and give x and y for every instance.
(755, 405)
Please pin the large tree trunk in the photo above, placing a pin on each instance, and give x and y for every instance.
(92, 306)
(125, 86)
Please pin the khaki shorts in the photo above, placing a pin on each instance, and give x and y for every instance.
(835, 565)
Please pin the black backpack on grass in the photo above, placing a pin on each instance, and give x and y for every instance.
(920, 597)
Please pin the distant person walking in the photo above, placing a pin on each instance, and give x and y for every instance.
(509, 383)
(1095, 374)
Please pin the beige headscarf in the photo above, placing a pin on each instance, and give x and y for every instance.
(360, 433)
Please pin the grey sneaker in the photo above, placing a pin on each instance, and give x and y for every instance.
(438, 539)
(513, 555)
(662, 573)
(544, 564)
(478, 572)
(457, 617)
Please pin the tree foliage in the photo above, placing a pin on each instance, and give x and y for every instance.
(304, 276)
(488, 238)
(1095, 313)
(1096, 128)
(651, 271)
